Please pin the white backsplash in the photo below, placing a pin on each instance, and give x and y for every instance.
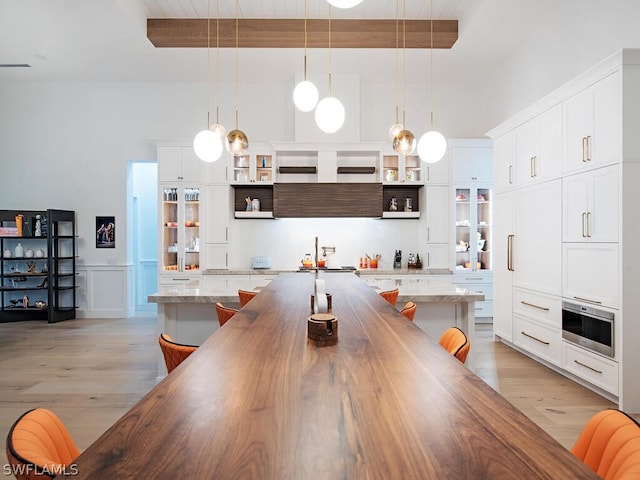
(287, 240)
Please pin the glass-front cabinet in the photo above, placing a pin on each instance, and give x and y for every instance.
(402, 169)
(256, 166)
(473, 229)
(180, 242)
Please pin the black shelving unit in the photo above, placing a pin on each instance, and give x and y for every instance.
(45, 273)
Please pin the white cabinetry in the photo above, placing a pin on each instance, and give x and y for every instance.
(593, 125)
(590, 202)
(538, 146)
(217, 226)
(538, 238)
(503, 260)
(179, 164)
(472, 161)
(598, 229)
(438, 226)
(503, 163)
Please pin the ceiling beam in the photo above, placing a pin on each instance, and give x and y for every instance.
(289, 33)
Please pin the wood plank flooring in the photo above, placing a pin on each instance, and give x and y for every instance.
(91, 371)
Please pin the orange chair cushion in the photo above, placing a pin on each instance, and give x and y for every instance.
(456, 343)
(245, 296)
(390, 296)
(174, 353)
(409, 310)
(610, 445)
(224, 313)
(39, 442)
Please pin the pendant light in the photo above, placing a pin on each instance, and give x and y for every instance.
(237, 141)
(330, 112)
(207, 144)
(344, 3)
(404, 143)
(432, 145)
(305, 95)
(397, 127)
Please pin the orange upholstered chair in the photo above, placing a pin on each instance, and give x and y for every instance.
(610, 445)
(39, 446)
(245, 296)
(174, 353)
(409, 310)
(224, 313)
(456, 343)
(390, 296)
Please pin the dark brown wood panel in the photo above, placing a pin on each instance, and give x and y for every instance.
(289, 33)
(327, 200)
(259, 400)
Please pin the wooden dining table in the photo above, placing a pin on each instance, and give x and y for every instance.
(259, 400)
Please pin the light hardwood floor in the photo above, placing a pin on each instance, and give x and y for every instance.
(91, 371)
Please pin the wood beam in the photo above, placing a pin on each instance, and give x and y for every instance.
(289, 33)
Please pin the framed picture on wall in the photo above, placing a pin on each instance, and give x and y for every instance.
(105, 232)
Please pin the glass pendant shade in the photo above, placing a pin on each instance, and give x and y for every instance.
(219, 130)
(344, 3)
(395, 129)
(305, 96)
(432, 146)
(237, 142)
(207, 145)
(404, 142)
(330, 115)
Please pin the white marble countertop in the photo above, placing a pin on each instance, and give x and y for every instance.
(365, 271)
(211, 289)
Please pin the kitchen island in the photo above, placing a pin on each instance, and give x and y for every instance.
(187, 312)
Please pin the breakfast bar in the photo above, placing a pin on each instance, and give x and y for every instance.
(187, 313)
(260, 400)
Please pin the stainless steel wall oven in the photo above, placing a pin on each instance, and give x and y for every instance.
(589, 327)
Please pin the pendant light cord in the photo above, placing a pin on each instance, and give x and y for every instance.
(217, 61)
(237, 64)
(330, 50)
(404, 63)
(431, 64)
(397, 57)
(305, 40)
(208, 63)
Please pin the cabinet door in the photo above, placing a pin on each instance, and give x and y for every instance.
(437, 255)
(579, 129)
(191, 166)
(548, 161)
(538, 262)
(217, 213)
(591, 273)
(218, 171)
(169, 164)
(472, 164)
(503, 242)
(526, 140)
(574, 200)
(607, 105)
(603, 213)
(437, 214)
(216, 256)
(504, 151)
(437, 172)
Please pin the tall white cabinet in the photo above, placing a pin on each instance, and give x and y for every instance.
(566, 175)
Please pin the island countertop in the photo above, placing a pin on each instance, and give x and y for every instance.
(213, 288)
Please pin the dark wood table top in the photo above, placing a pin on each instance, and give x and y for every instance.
(258, 400)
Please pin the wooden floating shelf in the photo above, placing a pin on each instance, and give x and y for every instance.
(357, 170)
(300, 170)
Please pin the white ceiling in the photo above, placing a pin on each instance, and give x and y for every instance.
(105, 40)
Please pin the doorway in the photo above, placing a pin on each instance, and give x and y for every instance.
(144, 214)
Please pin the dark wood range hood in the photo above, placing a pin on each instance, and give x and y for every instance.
(300, 200)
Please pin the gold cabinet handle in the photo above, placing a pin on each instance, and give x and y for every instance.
(587, 300)
(588, 148)
(587, 366)
(584, 222)
(534, 338)
(546, 309)
(588, 224)
(584, 149)
(510, 174)
(510, 253)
